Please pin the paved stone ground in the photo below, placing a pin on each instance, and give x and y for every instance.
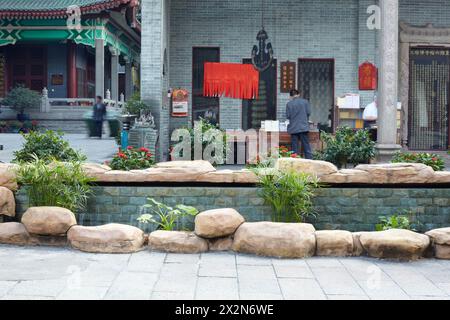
(97, 151)
(53, 273)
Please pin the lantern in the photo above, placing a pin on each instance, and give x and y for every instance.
(368, 76)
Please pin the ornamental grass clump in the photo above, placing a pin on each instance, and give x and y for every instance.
(289, 193)
(60, 184)
(132, 159)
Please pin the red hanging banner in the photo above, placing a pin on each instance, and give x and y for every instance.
(368, 76)
(233, 80)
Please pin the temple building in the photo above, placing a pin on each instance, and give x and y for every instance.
(75, 49)
(324, 43)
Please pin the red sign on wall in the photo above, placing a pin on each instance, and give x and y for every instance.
(368, 76)
(180, 102)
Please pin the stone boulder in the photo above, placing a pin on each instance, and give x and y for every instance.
(358, 249)
(48, 221)
(317, 168)
(177, 242)
(441, 242)
(95, 170)
(347, 176)
(217, 223)
(441, 177)
(110, 238)
(8, 176)
(13, 233)
(395, 244)
(7, 202)
(179, 171)
(398, 173)
(283, 240)
(220, 244)
(244, 176)
(334, 243)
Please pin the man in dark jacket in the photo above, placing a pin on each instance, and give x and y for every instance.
(298, 111)
(99, 114)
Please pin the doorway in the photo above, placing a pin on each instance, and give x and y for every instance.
(265, 107)
(27, 67)
(316, 84)
(429, 90)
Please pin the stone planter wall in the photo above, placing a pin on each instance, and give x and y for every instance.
(352, 209)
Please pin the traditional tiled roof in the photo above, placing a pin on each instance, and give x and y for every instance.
(54, 8)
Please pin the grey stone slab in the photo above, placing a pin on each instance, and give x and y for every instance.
(346, 297)
(213, 288)
(289, 262)
(337, 281)
(132, 286)
(83, 293)
(177, 270)
(324, 262)
(383, 290)
(217, 270)
(146, 262)
(6, 286)
(218, 258)
(26, 298)
(182, 258)
(293, 272)
(261, 296)
(45, 288)
(242, 259)
(301, 289)
(444, 287)
(166, 295)
(176, 284)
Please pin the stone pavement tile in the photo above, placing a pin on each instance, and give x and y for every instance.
(218, 258)
(363, 270)
(323, 262)
(177, 284)
(337, 281)
(83, 293)
(293, 272)
(213, 288)
(146, 262)
(413, 282)
(178, 270)
(182, 258)
(444, 287)
(346, 297)
(289, 262)
(219, 270)
(132, 286)
(6, 286)
(242, 259)
(98, 276)
(435, 274)
(257, 280)
(301, 289)
(26, 298)
(158, 295)
(45, 288)
(383, 290)
(429, 298)
(260, 296)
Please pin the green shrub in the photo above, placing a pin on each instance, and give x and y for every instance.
(21, 98)
(288, 193)
(166, 217)
(61, 184)
(347, 147)
(132, 159)
(432, 160)
(46, 146)
(406, 220)
(135, 105)
(203, 126)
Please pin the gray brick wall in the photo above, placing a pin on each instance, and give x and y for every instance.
(353, 209)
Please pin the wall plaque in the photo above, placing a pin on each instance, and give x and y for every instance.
(287, 76)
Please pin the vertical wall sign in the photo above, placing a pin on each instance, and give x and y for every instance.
(180, 103)
(368, 76)
(287, 76)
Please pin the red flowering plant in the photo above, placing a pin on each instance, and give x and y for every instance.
(132, 159)
(281, 152)
(432, 160)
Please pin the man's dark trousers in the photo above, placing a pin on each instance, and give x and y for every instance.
(98, 128)
(304, 138)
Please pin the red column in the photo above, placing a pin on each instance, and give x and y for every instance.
(71, 71)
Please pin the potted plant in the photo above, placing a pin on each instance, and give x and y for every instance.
(21, 99)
